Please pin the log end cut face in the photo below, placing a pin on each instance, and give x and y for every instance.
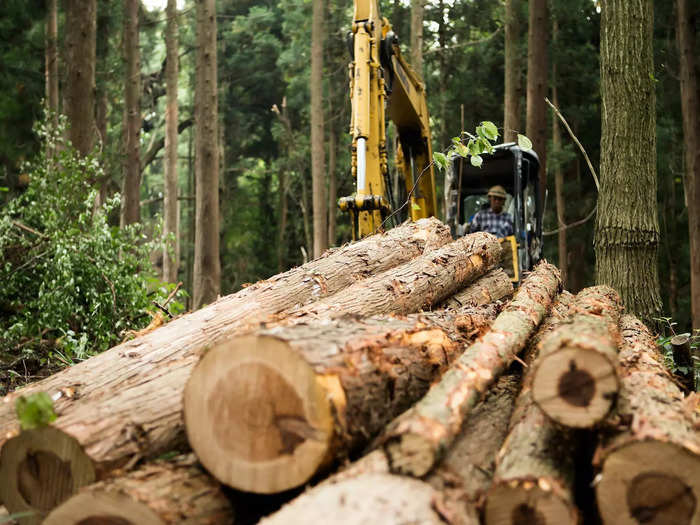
(650, 482)
(575, 387)
(527, 502)
(41, 468)
(103, 508)
(257, 416)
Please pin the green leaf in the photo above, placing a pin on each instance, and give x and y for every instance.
(415, 206)
(456, 140)
(461, 150)
(524, 142)
(35, 410)
(440, 160)
(477, 161)
(490, 130)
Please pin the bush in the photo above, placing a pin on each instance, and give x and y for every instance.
(71, 283)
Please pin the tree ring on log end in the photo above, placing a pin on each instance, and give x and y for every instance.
(649, 482)
(257, 415)
(522, 502)
(95, 507)
(575, 386)
(41, 468)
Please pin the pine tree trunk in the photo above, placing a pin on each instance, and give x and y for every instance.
(650, 456)
(538, 31)
(415, 441)
(79, 93)
(51, 71)
(691, 138)
(559, 176)
(627, 227)
(417, 9)
(265, 412)
(492, 287)
(318, 161)
(332, 185)
(207, 267)
(513, 69)
(160, 493)
(171, 216)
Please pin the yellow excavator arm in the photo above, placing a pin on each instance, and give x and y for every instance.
(382, 83)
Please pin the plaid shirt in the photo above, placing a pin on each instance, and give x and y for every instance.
(500, 224)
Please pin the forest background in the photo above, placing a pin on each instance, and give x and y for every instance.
(263, 208)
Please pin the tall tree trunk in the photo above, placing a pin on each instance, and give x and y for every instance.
(559, 177)
(332, 184)
(207, 267)
(513, 67)
(318, 161)
(131, 210)
(417, 9)
(79, 103)
(691, 137)
(537, 84)
(171, 253)
(627, 226)
(51, 73)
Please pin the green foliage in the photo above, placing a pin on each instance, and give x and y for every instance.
(71, 282)
(478, 144)
(35, 410)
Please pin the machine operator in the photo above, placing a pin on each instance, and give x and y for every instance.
(494, 220)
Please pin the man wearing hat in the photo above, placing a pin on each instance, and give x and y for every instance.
(494, 220)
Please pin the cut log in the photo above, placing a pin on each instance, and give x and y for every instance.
(493, 286)
(574, 379)
(683, 359)
(649, 459)
(161, 493)
(126, 403)
(534, 477)
(264, 412)
(418, 439)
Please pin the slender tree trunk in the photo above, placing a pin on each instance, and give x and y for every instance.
(171, 254)
(131, 212)
(691, 135)
(207, 267)
(318, 161)
(417, 9)
(513, 67)
(51, 73)
(79, 103)
(627, 227)
(537, 84)
(559, 177)
(332, 185)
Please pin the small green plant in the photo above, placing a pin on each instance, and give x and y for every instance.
(35, 410)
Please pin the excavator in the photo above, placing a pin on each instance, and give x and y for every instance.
(383, 85)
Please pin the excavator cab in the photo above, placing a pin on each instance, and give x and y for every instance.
(517, 171)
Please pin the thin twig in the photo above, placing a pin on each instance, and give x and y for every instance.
(573, 224)
(172, 294)
(24, 227)
(464, 44)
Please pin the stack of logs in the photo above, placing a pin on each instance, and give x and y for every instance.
(403, 362)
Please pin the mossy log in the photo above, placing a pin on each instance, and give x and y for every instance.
(493, 286)
(418, 439)
(264, 412)
(161, 493)
(574, 379)
(649, 457)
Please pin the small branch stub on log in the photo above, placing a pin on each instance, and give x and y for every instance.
(417, 439)
(650, 457)
(574, 379)
(493, 286)
(266, 411)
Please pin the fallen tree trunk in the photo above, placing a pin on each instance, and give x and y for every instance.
(493, 286)
(649, 459)
(535, 467)
(418, 439)
(264, 412)
(574, 380)
(161, 493)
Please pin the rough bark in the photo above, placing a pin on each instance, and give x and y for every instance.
(493, 286)
(161, 493)
(207, 266)
(534, 475)
(332, 185)
(538, 31)
(166, 356)
(171, 229)
(559, 177)
(627, 228)
(691, 139)
(51, 71)
(79, 93)
(265, 412)
(318, 157)
(574, 380)
(418, 284)
(513, 70)
(417, 9)
(649, 459)
(131, 186)
(418, 439)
